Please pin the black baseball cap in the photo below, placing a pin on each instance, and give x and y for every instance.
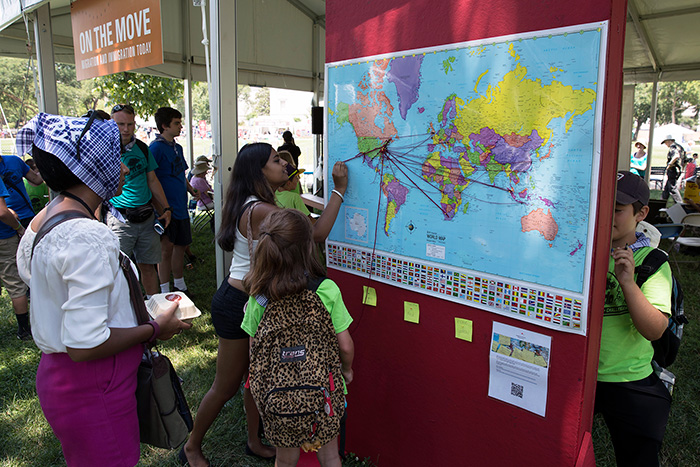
(631, 188)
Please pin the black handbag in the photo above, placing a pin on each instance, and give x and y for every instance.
(164, 416)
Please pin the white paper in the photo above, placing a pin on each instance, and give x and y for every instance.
(519, 367)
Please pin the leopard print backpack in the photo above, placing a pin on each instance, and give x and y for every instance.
(295, 373)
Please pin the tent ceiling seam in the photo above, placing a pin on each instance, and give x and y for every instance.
(642, 34)
(670, 13)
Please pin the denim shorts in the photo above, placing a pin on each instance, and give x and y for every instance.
(227, 311)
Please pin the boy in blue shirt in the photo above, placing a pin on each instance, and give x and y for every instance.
(171, 173)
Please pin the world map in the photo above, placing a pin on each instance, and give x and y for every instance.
(477, 155)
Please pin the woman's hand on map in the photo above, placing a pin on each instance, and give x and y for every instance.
(340, 177)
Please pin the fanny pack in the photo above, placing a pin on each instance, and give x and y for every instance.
(138, 214)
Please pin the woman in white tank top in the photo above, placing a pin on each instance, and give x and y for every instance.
(257, 173)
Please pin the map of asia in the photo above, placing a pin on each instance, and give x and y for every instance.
(471, 169)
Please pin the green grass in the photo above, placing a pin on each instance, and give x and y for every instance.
(26, 438)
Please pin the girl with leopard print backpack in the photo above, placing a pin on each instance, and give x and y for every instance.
(301, 349)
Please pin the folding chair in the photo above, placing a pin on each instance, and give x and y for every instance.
(201, 217)
(689, 236)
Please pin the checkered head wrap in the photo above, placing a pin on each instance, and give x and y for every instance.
(99, 163)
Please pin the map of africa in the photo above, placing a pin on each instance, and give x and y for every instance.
(478, 155)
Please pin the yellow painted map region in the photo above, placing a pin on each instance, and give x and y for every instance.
(520, 105)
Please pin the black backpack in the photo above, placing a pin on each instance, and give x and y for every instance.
(666, 347)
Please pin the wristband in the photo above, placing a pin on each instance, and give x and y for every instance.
(167, 209)
(156, 331)
(342, 198)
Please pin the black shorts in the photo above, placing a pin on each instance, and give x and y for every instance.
(636, 414)
(227, 311)
(179, 232)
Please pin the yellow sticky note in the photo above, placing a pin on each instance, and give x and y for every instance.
(504, 340)
(463, 329)
(369, 296)
(411, 312)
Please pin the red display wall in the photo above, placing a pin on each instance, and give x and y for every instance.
(420, 396)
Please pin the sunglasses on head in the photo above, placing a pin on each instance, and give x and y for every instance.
(120, 107)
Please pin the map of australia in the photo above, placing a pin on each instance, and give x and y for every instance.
(487, 146)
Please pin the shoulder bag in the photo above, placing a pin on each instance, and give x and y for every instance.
(164, 416)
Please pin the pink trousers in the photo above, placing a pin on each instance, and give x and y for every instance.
(91, 407)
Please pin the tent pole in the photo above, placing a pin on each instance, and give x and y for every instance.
(187, 49)
(652, 120)
(48, 98)
(223, 103)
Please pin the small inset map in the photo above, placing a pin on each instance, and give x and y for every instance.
(356, 224)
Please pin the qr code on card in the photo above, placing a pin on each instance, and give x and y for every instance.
(516, 390)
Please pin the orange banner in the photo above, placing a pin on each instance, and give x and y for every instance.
(109, 36)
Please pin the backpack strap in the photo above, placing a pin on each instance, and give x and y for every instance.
(249, 233)
(315, 283)
(137, 302)
(142, 146)
(652, 262)
(135, 296)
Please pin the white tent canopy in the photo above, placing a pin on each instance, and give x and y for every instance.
(676, 132)
(662, 40)
(280, 42)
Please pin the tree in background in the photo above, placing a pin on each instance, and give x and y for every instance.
(75, 97)
(145, 93)
(200, 102)
(17, 91)
(674, 98)
(260, 103)
(642, 106)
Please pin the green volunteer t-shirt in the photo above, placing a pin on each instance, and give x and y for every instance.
(331, 297)
(291, 200)
(135, 191)
(625, 355)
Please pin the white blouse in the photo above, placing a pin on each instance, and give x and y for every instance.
(78, 288)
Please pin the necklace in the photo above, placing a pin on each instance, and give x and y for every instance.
(75, 197)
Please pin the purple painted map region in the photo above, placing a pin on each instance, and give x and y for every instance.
(454, 171)
(578, 247)
(547, 202)
(395, 191)
(405, 74)
(487, 137)
(421, 110)
(518, 157)
(449, 110)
